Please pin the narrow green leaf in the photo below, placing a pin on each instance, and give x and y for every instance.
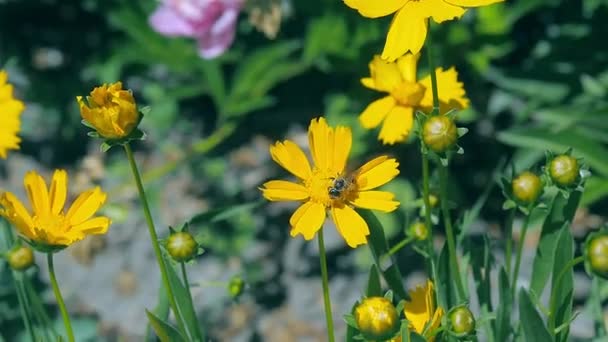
(562, 210)
(379, 247)
(502, 329)
(532, 323)
(444, 284)
(481, 264)
(351, 332)
(164, 330)
(563, 288)
(374, 289)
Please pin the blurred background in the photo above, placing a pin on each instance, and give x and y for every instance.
(536, 72)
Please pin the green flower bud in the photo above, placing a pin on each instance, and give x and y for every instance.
(419, 231)
(236, 285)
(596, 253)
(462, 322)
(563, 170)
(377, 318)
(527, 187)
(20, 258)
(433, 200)
(182, 246)
(439, 133)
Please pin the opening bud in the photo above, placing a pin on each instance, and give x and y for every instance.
(182, 246)
(526, 187)
(462, 322)
(377, 318)
(439, 133)
(20, 258)
(564, 170)
(596, 254)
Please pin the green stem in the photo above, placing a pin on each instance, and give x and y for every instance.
(398, 246)
(59, 298)
(23, 307)
(323, 260)
(429, 52)
(39, 310)
(558, 280)
(429, 224)
(509, 241)
(449, 231)
(186, 283)
(154, 238)
(596, 308)
(520, 250)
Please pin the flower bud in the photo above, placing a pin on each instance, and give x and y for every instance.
(563, 170)
(182, 246)
(439, 133)
(236, 287)
(462, 322)
(110, 110)
(433, 200)
(526, 187)
(596, 252)
(20, 258)
(419, 231)
(377, 318)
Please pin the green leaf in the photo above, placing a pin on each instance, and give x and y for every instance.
(596, 188)
(562, 289)
(481, 264)
(444, 284)
(502, 329)
(351, 332)
(183, 302)
(374, 289)
(222, 213)
(246, 105)
(533, 326)
(561, 211)
(164, 330)
(379, 247)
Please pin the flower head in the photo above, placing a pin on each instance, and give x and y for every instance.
(20, 258)
(527, 187)
(405, 94)
(564, 170)
(377, 318)
(462, 321)
(10, 111)
(182, 246)
(596, 253)
(47, 224)
(110, 110)
(424, 318)
(409, 26)
(326, 186)
(211, 22)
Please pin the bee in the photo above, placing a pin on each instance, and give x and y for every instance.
(340, 184)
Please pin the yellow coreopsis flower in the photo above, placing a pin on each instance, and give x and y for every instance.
(47, 224)
(10, 112)
(405, 95)
(420, 311)
(409, 26)
(110, 110)
(327, 187)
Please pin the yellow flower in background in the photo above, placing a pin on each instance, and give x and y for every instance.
(420, 311)
(10, 112)
(47, 223)
(327, 187)
(406, 95)
(110, 110)
(409, 26)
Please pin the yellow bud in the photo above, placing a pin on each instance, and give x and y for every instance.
(439, 133)
(182, 246)
(462, 321)
(526, 187)
(236, 287)
(419, 231)
(563, 170)
(597, 255)
(20, 258)
(377, 318)
(110, 110)
(433, 200)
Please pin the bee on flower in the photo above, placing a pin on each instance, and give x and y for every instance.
(325, 188)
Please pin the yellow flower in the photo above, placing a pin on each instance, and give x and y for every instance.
(377, 318)
(10, 111)
(327, 187)
(47, 223)
(110, 110)
(421, 312)
(405, 95)
(409, 26)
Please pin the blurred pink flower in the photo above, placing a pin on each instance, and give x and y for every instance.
(211, 22)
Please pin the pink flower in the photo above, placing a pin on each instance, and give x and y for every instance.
(211, 22)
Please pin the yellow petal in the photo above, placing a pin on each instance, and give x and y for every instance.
(376, 172)
(407, 65)
(307, 220)
(369, 83)
(291, 157)
(318, 138)
(278, 190)
(386, 75)
(13, 210)
(406, 33)
(435, 322)
(350, 225)
(375, 8)
(439, 10)
(451, 92)
(37, 193)
(378, 200)
(85, 206)
(417, 311)
(58, 191)
(376, 111)
(95, 225)
(343, 140)
(472, 3)
(397, 125)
